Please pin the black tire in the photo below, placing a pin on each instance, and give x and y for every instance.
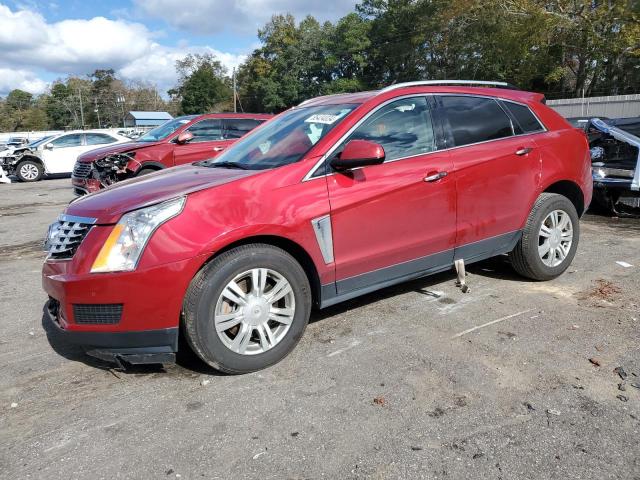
(29, 166)
(206, 288)
(145, 171)
(525, 258)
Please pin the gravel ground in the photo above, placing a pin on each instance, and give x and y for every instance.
(385, 386)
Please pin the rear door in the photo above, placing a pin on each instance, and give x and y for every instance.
(207, 142)
(396, 219)
(497, 172)
(62, 156)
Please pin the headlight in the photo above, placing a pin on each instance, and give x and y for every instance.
(124, 246)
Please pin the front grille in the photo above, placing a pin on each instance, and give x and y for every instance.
(97, 314)
(82, 170)
(66, 235)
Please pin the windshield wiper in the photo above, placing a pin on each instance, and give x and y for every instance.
(239, 166)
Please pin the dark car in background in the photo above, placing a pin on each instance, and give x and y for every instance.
(615, 156)
(185, 139)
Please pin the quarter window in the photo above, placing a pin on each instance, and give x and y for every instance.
(239, 127)
(474, 119)
(73, 140)
(404, 128)
(527, 122)
(206, 131)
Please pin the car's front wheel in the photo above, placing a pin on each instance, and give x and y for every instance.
(29, 171)
(247, 309)
(549, 240)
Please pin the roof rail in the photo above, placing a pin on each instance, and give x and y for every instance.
(419, 83)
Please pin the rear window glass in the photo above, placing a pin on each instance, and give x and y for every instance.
(526, 120)
(474, 119)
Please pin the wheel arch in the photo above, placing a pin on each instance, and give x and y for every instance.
(31, 158)
(152, 165)
(571, 190)
(292, 248)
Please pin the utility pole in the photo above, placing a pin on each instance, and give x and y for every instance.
(235, 110)
(81, 109)
(95, 102)
(120, 99)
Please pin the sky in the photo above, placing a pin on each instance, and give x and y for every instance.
(41, 41)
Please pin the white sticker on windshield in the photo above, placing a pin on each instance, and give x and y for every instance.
(325, 118)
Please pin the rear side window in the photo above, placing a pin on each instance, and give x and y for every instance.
(526, 120)
(239, 127)
(474, 120)
(206, 130)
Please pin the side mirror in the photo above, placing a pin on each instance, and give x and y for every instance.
(49, 146)
(359, 153)
(184, 137)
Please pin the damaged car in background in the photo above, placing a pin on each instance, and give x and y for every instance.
(185, 139)
(615, 157)
(53, 155)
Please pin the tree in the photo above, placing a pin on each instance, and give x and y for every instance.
(203, 84)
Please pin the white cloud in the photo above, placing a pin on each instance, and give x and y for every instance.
(158, 65)
(28, 43)
(22, 79)
(213, 16)
(69, 46)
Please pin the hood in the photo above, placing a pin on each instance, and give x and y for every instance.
(93, 155)
(109, 204)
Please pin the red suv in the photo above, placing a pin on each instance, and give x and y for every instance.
(182, 140)
(335, 198)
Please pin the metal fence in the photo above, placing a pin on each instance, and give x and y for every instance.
(615, 106)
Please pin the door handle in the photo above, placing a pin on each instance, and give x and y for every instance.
(523, 151)
(218, 149)
(435, 177)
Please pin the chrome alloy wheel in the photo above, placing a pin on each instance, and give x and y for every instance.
(254, 311)
(29, 171)
(555, 238)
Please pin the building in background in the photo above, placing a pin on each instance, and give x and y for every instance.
(146, 119)
(615, 106)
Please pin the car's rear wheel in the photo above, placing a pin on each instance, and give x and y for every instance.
(247, 309)
(549, 240)
(29, 171)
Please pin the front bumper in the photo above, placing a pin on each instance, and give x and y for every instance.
(146, 323)
(83, 186)
(139, 347)
(613, 183)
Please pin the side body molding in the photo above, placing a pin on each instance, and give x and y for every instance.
(324, 237)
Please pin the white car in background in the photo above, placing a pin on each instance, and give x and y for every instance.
(56, 155)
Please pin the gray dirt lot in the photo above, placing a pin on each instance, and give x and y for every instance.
(379, 387)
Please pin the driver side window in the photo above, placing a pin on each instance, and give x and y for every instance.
(404, 128)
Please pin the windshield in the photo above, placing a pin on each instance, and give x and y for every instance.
(166, 129)
(38, 142)
(283, 140)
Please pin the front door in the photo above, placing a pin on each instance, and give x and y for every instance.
(59, 155)
(396, 219)
(207, 142)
